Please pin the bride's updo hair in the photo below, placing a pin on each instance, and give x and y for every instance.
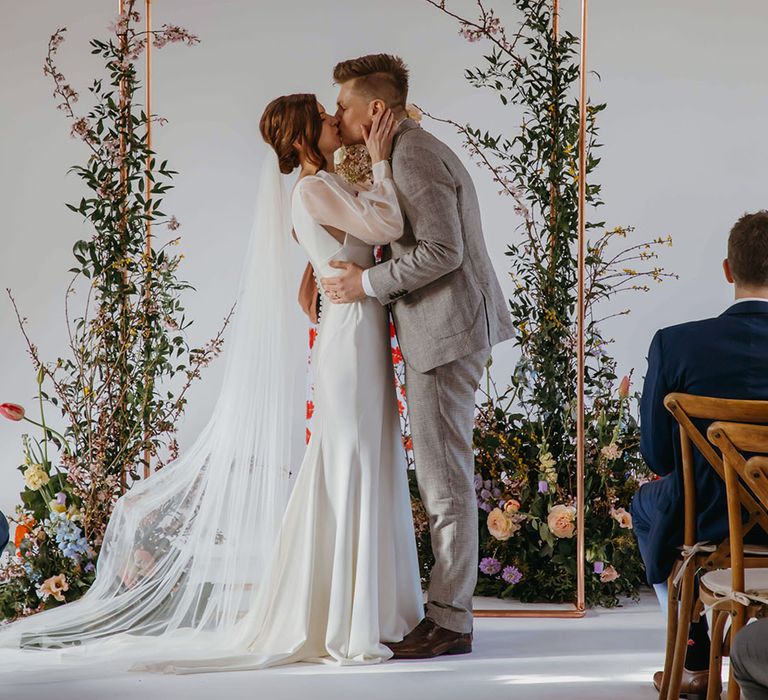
(288, 119)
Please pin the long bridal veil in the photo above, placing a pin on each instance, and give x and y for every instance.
(187, 551)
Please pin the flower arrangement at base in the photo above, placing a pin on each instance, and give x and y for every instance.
(525, 434)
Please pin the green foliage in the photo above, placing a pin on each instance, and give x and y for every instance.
(525, 435)
(122, 388)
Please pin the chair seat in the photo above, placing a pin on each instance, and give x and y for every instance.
(757, 549)
(719, 582)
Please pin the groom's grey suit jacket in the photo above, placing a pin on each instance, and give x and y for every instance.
(438, 278)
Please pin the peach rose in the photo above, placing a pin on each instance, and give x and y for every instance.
(500, 526)
(562, 521)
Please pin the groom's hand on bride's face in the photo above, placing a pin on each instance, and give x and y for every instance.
(348, 286)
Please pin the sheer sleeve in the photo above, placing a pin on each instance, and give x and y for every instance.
(373, 215)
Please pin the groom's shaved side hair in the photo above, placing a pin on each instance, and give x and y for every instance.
(378, 76)
(748, 249)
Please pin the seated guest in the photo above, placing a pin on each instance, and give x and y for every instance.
(4, 532)
(725, 357)
(749, 660)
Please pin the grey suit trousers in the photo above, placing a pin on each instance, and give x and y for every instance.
(749, 660)
(441, 406)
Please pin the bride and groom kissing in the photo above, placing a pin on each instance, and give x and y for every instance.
(216, 562)
(448, 309)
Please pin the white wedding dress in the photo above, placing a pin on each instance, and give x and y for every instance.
(247, 570)
(346, 573)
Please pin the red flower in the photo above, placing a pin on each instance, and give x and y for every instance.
(402, 390)
(400, 407)
(312, 336)
(391, 329)
(309, 435)
(397, 355)
(21, 532)
(408, 443)
(310, 409)
(11, 411)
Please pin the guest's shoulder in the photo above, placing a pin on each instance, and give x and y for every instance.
(687, 329)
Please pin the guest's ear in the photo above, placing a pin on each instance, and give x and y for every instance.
(727, 271)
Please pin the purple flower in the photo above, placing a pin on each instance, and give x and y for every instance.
(599, 567)
(511, 574)
(485, 506)
(487, 484)
(496, 493)
(61, 498)
(478, 482)
(543, 486)
(89, 566)
(485, 494)
(490, 566)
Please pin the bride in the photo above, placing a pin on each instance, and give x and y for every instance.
(220, 561)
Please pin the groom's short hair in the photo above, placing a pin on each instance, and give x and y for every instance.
(376, 76)
(748, 249)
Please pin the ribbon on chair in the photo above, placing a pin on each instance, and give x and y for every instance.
(745, 599)
(689, 552)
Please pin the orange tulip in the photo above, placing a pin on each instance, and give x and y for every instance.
(624, 388)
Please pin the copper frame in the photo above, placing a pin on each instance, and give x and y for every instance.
(580, 603)
(147, 181)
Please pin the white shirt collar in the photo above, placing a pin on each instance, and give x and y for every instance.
(738, 301)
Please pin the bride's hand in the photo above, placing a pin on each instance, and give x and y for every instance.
(378, 139)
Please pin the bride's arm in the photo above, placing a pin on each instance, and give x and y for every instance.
(373, 215)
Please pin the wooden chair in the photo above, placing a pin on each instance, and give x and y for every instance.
(683, 607)
(740, 592)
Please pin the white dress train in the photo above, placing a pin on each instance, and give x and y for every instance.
(345, 577)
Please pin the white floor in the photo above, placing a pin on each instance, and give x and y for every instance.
(609, 654)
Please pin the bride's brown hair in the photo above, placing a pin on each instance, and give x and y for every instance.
(290, 118)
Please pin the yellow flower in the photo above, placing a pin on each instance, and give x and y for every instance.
(546, 461)
(54, 505)
(35, 476)
(413, 112)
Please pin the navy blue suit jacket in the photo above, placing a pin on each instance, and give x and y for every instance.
(723, 357)
(4, 532)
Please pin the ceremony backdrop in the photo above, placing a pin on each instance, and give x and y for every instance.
(683, 132)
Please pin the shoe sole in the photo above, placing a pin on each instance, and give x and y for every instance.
(449, 652)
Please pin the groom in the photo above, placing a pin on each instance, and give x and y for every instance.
(448, 310)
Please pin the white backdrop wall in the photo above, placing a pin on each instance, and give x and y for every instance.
(684, 135)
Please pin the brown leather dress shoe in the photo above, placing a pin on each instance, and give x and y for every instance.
(428, 640)
(694, 685)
